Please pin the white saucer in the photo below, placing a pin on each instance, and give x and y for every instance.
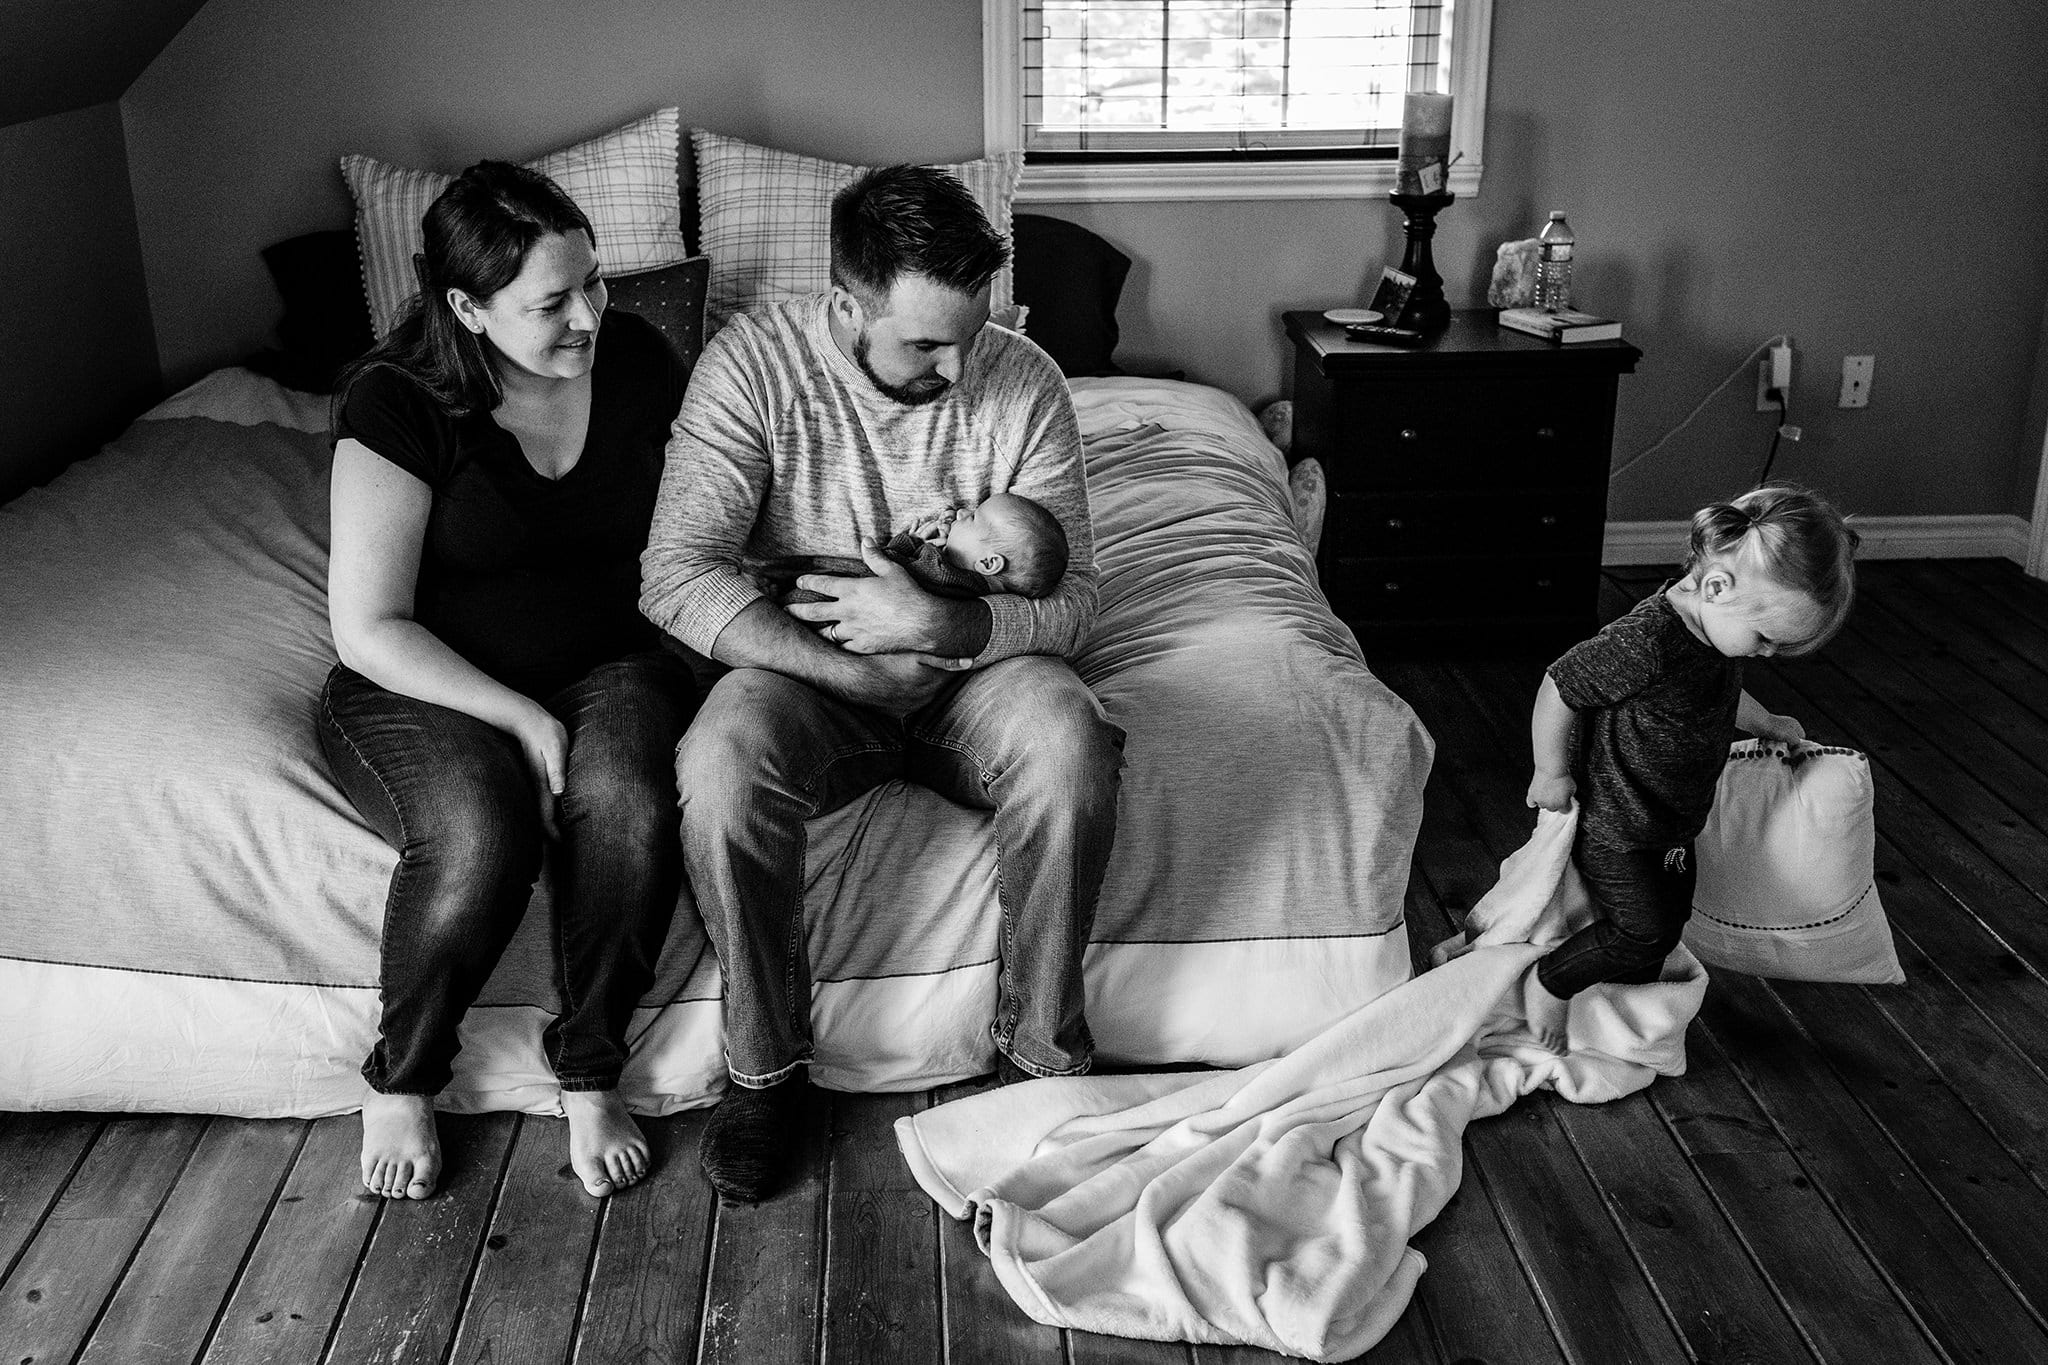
(1353, 317)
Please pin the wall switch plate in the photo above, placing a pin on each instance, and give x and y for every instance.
(1856, 373)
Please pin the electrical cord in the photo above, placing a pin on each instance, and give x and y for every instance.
(1742, 368)
(1784, 421)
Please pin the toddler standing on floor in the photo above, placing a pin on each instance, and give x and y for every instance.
(1653, 696)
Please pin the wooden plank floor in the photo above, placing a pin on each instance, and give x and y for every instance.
(1844, 1174)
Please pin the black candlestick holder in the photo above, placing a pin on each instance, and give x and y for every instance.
(1427, 311)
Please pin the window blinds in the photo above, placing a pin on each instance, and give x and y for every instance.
(1187, 77)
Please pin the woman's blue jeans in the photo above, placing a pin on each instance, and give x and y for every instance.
(454, 796)
(1023, 738)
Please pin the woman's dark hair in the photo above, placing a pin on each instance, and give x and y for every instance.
(1802, 542)
(477, 232)
(911, 220)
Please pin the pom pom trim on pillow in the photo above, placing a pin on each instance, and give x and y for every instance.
(623, 180)
(764, 218)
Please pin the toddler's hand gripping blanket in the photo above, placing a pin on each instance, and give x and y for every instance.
(1272, 1206)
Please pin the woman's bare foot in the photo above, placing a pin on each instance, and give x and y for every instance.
(606, 1148)
(401, 1149)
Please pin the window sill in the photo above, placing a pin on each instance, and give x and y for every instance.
(1188, 180)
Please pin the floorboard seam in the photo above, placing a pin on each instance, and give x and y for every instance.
(234, 1284)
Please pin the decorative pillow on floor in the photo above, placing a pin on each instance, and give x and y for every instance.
(764, 219)
(624, 180)
(1785, 878)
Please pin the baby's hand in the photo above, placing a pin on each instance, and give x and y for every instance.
(1784, 729)
(1551, 791)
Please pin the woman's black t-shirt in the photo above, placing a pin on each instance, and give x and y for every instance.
(534, 580)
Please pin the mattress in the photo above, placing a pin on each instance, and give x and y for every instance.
(189, 907)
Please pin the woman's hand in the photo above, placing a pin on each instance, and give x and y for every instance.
(1551, 791)
(545, 742)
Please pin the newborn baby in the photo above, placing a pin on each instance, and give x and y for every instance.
(1006, 543)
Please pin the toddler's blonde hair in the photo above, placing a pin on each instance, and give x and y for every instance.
(1800, 540)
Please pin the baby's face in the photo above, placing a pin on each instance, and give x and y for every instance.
(969, 535)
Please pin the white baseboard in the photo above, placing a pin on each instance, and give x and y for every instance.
(1964, 537)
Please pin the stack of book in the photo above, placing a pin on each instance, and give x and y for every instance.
(1564, 326)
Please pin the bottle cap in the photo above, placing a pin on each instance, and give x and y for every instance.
(1556, 214)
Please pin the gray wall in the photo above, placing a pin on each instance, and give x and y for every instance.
(76, 347)
(1734, 169)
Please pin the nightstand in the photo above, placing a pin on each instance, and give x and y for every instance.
(1467, 478)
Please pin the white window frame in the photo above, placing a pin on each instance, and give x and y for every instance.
(1002, 113)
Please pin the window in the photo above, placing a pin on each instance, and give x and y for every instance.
(1187, 99)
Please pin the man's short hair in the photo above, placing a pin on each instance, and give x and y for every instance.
(911, 220)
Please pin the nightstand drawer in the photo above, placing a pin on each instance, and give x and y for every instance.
(1506, 431)
(1410, 589)
(1532, 522)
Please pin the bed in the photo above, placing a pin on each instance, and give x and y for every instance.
(190, 908)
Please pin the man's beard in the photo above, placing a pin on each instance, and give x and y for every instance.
(927, 390)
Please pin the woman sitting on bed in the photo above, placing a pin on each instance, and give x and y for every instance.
(495, 464)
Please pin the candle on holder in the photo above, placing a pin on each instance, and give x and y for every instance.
(1422, 163)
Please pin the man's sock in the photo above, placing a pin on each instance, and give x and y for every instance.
(752, 1139)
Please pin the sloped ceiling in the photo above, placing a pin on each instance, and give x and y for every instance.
(58, 55)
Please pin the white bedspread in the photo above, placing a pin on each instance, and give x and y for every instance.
(1272, 1206)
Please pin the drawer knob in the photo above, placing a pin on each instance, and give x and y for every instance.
(1409, 433)
(1546, 433)
(1393, 523)
(1549, 519)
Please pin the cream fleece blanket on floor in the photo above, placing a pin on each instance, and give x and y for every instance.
(1272, 1206)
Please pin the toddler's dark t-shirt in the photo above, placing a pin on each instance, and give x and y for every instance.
(1655, 706)
(534, 580)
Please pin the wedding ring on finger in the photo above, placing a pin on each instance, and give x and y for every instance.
(832, 632)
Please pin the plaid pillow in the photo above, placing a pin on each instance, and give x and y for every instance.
(765, 219)
(624, 180)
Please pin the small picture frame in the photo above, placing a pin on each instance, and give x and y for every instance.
(1390, 300)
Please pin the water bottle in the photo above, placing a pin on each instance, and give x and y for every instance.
(1554, 265)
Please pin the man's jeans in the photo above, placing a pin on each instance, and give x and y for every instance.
(454, 796)
(1024, 738)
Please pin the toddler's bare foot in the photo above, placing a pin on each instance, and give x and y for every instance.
(606, 1148)
(401, 1149)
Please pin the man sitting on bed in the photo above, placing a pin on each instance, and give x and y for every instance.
(813, 426)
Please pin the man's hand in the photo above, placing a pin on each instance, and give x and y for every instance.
(899, 683)
(1551, 791)
(886, 614)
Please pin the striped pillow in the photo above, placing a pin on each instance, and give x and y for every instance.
(764, 218)
(624, 180)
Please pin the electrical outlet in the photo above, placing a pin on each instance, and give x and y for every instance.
(1856, 374)
(1774, 371)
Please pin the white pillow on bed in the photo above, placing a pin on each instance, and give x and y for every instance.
(624, 181)
(1785, 870)
(764, 219)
